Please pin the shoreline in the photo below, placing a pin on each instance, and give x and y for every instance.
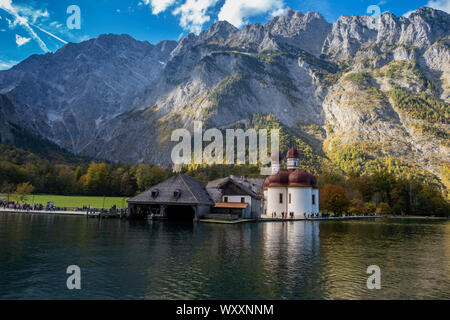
(65, 213)
(418, 217)
(83, 214)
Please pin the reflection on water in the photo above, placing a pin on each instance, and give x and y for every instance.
(155, 260)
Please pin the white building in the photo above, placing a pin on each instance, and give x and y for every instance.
(292, 191)
(232, 190)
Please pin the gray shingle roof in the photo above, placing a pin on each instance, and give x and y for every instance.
(192, 192)
(219, 183)
(215, 194)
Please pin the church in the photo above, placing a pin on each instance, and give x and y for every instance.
(292, 191)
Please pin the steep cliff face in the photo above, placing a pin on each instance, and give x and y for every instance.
(65, 96)
(380, 87)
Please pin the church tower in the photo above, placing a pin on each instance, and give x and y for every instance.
(275, 159)
(292, 159)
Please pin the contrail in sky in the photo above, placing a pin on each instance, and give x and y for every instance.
(50, 34)
(6, 5)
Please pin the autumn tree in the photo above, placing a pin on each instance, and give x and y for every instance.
(384, 209)
(97, 179)
(8, 189)
(357, 207)
(23, 190)
(144, 176)
(371, 207)
(334, 199)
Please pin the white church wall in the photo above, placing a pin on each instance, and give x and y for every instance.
(301, 201)
(273, 201)
(315, 207)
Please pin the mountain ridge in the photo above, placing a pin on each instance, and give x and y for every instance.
(354, 82)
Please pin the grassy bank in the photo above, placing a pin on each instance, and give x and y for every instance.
(73, 201)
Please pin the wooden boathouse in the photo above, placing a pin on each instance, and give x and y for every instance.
(178, 198)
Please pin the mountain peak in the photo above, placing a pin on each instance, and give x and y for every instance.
(221, 29)
(428, 10)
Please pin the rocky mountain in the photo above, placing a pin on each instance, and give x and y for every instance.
(361, 93)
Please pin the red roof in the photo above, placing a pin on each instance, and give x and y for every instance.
(291, 178)
(292, 153)
(299, 178)
(279, 179)
(231, 205)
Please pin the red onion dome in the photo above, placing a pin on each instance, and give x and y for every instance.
(300, 178)
(292, 153)
(279, 180)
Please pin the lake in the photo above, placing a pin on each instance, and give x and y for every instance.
(171, 260)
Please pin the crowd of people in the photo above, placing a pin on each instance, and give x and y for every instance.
(324, 215)
(23, 206)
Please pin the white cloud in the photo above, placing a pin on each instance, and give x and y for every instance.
(158, 6)
(237, 12)
(194, 14)
(21, 40)
(443, 5)
(6, 4)
(32, 14)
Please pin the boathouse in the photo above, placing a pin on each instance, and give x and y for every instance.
(178, 198)
(228, 192)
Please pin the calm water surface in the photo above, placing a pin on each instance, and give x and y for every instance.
(170, 260)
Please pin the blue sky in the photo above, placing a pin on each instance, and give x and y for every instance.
(38, 26)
